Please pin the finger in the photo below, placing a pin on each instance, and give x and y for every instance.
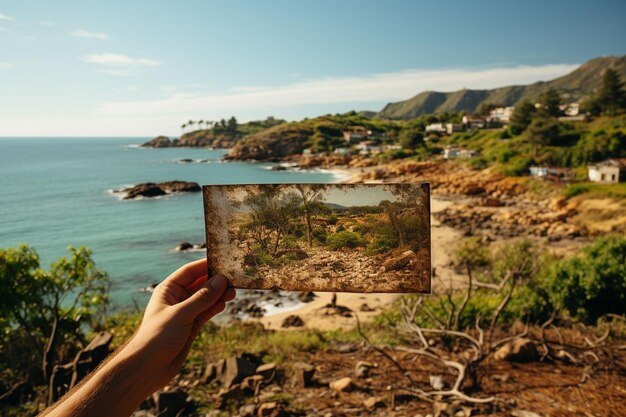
(187, 274)
(207, 315)
(198, 283)
(229, 294)
(204, 298)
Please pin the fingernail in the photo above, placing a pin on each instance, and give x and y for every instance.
(218, 282)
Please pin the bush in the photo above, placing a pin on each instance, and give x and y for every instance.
(517, 166)
(573, 190)
(593, 284)
(344, 239)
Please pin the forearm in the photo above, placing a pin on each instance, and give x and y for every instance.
(115, 389)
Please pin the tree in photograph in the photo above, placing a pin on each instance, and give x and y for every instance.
(550, 100)
(485, 108)
(311, 196)
(182, 128)
(522, 117)
(611, 99)
(270, 217)
(542, 132)
(411, 138)
(44, 312)
(190, 123)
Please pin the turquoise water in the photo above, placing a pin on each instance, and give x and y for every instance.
(57, 192)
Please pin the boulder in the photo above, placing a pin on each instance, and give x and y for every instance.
(236, 368)
(520, 350)
(65, 377)
(226, 395)
(399, 262)
(342, 384)
(171, 403)
(184, 246)
(292, 321)
(303, 374)
(366, 308)
(306, 296)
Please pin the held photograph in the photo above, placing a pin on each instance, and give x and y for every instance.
(371, 238)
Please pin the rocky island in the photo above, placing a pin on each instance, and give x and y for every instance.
(150, 189)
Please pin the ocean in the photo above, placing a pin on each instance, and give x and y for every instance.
(56, 192)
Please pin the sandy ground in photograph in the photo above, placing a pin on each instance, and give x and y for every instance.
(443, 239)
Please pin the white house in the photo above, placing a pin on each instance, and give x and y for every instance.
(452, 153)
(366, 148)
(570, 109)
(502, 114)
(392, 147)
(471, 122)
(554, 173)
(435, 128)
(609, 171)
(453, 127)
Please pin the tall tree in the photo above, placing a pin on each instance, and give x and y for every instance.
(550, 101)
(522, 117)
(410, 138)
(542, 132)
(311, 195)
(611, 98)
(232, 126)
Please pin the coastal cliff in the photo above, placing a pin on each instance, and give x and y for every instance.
(273, 144)
(204, 138)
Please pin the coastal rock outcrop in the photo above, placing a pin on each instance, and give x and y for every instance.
(274, 144)
(150, 189)
(160, 142)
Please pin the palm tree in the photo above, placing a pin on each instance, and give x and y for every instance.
(190, 123)
(200, 123)
(182, 127)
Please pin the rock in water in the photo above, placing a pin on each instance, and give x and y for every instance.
(184, 246)
(158, 142)
(150, 189)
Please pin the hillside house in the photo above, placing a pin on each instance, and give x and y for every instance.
(367, 148)
(570, 109)
(472, 122)
(453, 153)
(453, 127)
(549, 173)
(438, 128)
(359, 134)
(609, 171)
(501, 114)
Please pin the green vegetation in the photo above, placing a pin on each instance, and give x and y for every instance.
(592, 284)
(597, 190)
(344, 239)
(45, 314)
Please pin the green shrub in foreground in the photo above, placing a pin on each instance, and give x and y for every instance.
(344, 239)
(592, 284)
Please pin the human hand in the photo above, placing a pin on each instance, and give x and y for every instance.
(178, 308)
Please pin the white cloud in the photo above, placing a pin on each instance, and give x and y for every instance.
(81, 33)
(290, 101)
(374, 88)
(119, 60)
(5, 17)
(4, 65)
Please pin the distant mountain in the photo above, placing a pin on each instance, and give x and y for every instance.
(577, 85)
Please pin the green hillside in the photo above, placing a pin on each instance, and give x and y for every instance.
(575, 86)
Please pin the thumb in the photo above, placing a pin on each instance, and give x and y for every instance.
(205, 297)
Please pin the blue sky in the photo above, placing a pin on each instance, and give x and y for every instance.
(141, 68)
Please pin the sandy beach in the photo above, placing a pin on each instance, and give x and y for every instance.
(315, 315)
